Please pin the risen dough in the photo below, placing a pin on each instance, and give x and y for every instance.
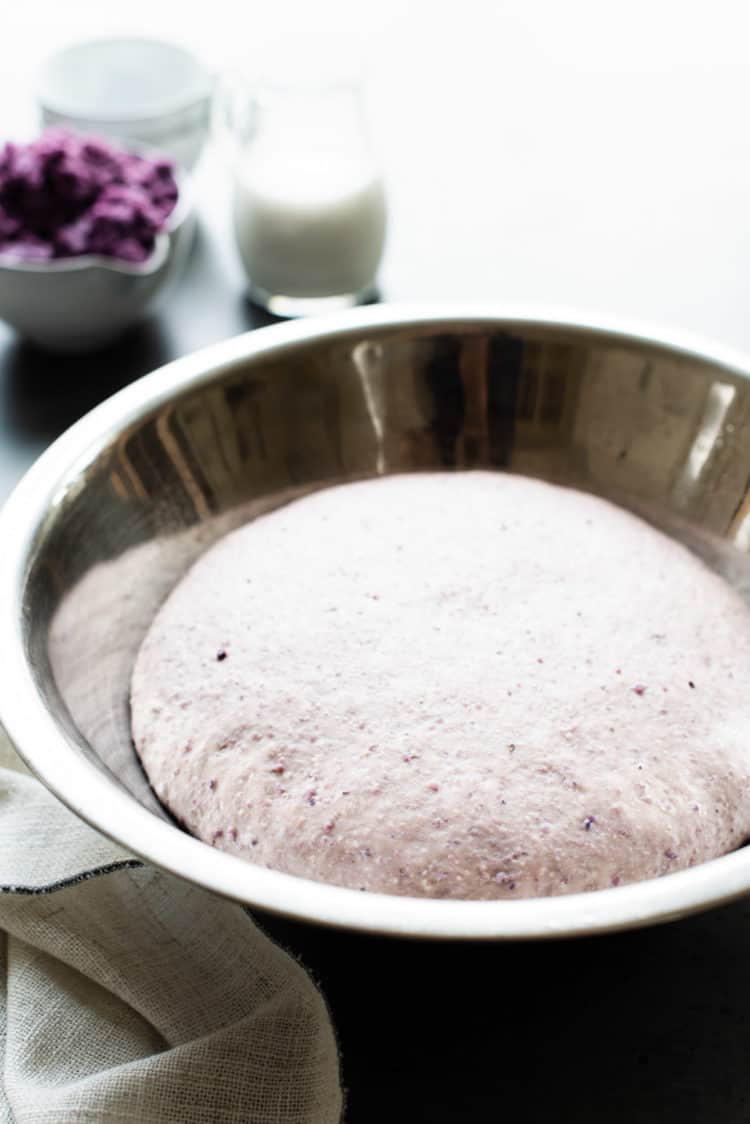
(470, 686)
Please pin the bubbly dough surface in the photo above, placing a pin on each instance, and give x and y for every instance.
(470, 685)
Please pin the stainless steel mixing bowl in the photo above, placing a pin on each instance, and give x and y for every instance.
(112, 514)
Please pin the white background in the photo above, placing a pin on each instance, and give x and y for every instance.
(584, 154)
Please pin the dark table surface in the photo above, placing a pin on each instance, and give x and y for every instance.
(645, 1026)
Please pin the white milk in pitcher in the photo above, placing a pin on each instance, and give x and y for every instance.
(308, 224)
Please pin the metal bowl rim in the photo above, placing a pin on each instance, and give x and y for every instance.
(88, 792)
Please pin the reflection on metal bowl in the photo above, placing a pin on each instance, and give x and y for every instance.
(111, 516)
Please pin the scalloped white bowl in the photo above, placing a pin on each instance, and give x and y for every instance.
(79, 304)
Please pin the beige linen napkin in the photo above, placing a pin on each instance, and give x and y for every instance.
(127, 995)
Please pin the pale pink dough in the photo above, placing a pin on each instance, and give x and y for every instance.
(468, 686)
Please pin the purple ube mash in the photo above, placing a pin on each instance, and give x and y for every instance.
(65, 195)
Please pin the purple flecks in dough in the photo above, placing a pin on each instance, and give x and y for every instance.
(378, 686)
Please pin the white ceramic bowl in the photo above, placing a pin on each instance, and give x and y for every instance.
(139, 91)
(78, 304)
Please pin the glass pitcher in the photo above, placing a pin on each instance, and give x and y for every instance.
(308, 198)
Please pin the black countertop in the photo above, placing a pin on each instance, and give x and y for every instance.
(643, 1026)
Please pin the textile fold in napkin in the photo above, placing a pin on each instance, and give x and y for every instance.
(130, 996)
